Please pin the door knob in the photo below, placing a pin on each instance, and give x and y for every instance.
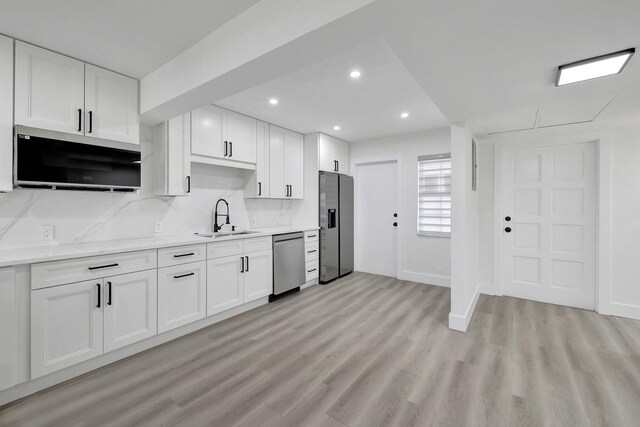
(508, 229)
(507, 218)
(395, 224)
(395, 215)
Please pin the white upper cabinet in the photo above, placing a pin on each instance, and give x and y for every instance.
(208, 131)
(333, 154)
(59, 93)
(221, 134)
(49, 90)
(241, 137)
(294, 164)
(277, 183)
(6, 114)
(257, 182)
(111, 105)
(172, 156)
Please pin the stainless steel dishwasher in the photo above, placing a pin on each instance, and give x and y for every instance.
(288, 264)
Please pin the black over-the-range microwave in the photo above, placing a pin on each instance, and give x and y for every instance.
(48, 159)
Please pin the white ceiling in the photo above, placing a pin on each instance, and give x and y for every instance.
(321, 96)
(133, 37)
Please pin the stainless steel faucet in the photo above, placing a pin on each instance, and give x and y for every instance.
(217, 227)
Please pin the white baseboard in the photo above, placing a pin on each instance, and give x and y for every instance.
(459, 322)
(428, 279)
(38, 384)
(625, 310)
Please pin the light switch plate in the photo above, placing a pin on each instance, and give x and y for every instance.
(46, 232)
(159, 226)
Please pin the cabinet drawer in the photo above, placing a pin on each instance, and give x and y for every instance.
(223, 249)
(311, 250)
(312, 269)
(54, 273)
(258, 244)
(311, 236)
(181, 255)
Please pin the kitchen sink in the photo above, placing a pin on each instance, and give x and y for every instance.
(220, 234)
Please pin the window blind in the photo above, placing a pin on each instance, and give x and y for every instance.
(434, 195)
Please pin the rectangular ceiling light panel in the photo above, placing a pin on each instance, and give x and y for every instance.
(593, 68)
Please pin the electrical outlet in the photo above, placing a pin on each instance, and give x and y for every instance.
(159, 226)
(253, 220)
(46, 232)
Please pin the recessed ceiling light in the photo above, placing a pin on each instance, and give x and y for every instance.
(404, 115)
(593, 68)
(355, 74)
(273, 101)
(336, 128)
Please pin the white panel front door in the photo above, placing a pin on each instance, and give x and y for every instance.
(377, 191)
(549, 224)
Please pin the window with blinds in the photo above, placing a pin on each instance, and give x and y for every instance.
(434, 195)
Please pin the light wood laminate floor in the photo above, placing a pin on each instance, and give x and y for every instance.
(367, 351)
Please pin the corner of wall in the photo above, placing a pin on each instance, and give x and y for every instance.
(459, 322)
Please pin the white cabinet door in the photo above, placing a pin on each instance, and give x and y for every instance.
(8, 328)
(294, 164)
(172, 156)
(111, 105)
(66, 326)
(130, 308)
(277, 186)
(49, 90)
(208, 131)
(241, 135)
(182, 295)
(6, 115)
(258, 275)
(325, 149)
(341, 156)
(224, 283)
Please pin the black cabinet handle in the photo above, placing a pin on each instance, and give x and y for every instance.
(230, 149)
(188, 184)
(508, 229)
(337, 165)
(184, 275)
(312, 235)
(104, 266)
(79, 119)
(226, 152)
(247, 263)
(109, 301)
(310, 252)
(183, 255)
(99, 293)
(311, 271)
(90, 121)
(242, 259)
(259, 188)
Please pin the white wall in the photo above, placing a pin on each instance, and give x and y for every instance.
(619, 275)
(465, 224)
(425, 259)
(82, 216)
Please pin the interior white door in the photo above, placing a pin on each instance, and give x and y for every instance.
(549, 230)
(208, 130)
(131, 307)
(376, 236)
(241, 134)
(111, 105)
(49, 90)
(66, 326)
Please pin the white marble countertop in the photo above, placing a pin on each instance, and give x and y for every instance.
(55, 252)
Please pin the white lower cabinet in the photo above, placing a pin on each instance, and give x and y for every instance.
(258, 275)
(224, 283)
(182, 295)
(66, 326)
(130, 309)
(79, 321)
(8, 328)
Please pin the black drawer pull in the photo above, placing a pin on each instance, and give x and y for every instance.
(104, 266)
(312, 270)
(310, 252)
(184, 275)
(312, 235)
(183, 255)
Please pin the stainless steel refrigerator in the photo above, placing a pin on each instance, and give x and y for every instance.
(336, 226)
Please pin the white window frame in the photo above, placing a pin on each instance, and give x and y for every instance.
(437, 158)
